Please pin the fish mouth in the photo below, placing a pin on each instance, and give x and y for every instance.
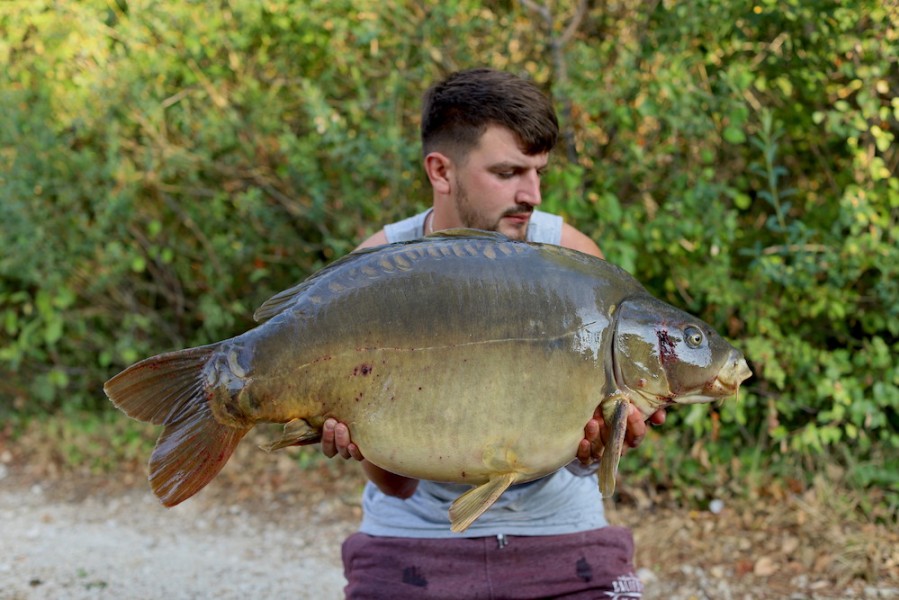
(725, 384)
(728, 381)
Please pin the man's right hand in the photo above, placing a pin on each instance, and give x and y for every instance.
(336, 440)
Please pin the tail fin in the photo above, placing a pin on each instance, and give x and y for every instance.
(169, 390)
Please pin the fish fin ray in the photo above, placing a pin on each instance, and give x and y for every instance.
(282, 300)
(297, 432)
(286, 298)
(473, 503)
(608, 466)
(161, 388)
(169, 389)
(190, 453)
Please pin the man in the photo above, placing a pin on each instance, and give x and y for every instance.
(486, 139)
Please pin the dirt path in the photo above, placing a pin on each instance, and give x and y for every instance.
(129, 546)
(267, 528)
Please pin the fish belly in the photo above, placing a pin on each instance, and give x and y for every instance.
(462, 413)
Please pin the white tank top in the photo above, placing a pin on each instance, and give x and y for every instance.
(567, 501)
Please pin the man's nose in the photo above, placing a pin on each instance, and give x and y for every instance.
(529, 191)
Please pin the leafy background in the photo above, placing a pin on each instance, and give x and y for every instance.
(166, 167)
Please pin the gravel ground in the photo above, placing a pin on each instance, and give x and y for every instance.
(129, 546)
(267, 528)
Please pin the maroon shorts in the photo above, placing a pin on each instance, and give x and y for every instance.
(592, 564)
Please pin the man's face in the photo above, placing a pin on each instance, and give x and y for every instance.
(498, 186)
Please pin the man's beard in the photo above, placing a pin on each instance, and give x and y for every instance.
(472, 218)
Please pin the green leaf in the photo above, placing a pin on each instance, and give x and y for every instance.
(734, 135)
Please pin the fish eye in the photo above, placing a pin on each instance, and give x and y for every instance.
(693, 336)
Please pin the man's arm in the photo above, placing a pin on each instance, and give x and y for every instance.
(378, 239)
(574, 239)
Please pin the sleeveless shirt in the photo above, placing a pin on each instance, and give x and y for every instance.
(567, 501)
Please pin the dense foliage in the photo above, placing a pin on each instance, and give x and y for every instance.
(164, 168)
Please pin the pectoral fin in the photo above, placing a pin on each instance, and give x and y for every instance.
(297, 432)
(472, 504)
(616, 418)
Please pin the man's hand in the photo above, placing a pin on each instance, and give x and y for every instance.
(596, 434)
(336, 440)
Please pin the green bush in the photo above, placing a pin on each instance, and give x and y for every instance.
(742, 163)
(164, 169)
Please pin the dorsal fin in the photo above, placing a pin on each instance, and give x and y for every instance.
(283, 299)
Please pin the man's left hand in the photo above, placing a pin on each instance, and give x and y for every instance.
(596, 434)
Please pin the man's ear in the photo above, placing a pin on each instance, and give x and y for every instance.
(438, 167)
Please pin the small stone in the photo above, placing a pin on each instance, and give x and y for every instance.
(764, 567)
(646, 575)
(790, 545)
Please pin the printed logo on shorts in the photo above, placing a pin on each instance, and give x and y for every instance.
(626, 586)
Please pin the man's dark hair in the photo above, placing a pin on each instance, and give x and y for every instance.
(457, 111)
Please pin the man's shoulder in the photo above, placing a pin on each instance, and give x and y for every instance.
(378, 239)
(545, 228)
(575, 240)
(400, 231)
(407, 229)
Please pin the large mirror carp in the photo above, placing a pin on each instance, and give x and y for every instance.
(462, 357)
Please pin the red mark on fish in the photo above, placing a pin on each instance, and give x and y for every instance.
(667, 351)
(363, 369)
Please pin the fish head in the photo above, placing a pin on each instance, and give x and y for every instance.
(663, 355)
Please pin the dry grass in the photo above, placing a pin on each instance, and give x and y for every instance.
(775, 542)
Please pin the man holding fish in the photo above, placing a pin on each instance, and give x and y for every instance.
(486, 139)
(479, 358)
